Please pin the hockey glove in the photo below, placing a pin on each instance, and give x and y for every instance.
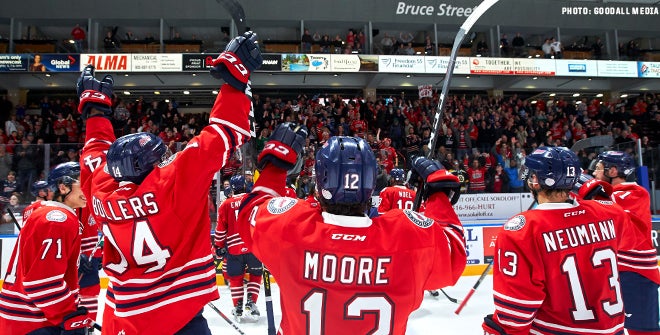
(86, 266)
(283, 146)
(491, 327)
(94, 94)
(437, 178)
(240, 58)
(220, 252)
(77, 323)
(589, 188)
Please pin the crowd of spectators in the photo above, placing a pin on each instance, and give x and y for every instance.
(483, 139)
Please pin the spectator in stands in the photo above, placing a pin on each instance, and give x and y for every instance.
(16, 207)
(482, 48)
(386, 43)
(428, 46)
(25, 160)
(504, 46)
(477, 176)
(306, 41)
(547, 48)
(518, 44)
(325, 44)
(597, 49)
(556, 48)
(337, 43)
(9, 186)
(516, 184)
(497, 180)
(111, 42)
(6, 160)
(78, 35)
(130, 36)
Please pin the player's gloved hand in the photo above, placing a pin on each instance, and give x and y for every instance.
(85, 265)
(593, 189)
(94, 94)
(77, 323)
(437, 178)
(97, 262)
(283, 146)
(241, 57)
(491, 327)
(220, 252)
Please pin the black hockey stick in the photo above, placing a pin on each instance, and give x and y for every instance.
(13, 218)
(603, 141)
(210, 304)
(437, 119)
(237, 13)
(473, 289)
(435, 294)
(269, 302)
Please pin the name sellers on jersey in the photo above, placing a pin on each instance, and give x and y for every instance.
(347, 270)
(126, 209)
(571, 237)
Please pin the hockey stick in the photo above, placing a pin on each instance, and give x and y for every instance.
(269, 302)
(473, 289)
(592, 142)
(210, 304)
(237, 13)
(437, 119)
(13, 218)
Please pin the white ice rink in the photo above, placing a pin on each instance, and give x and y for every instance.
(435, 316)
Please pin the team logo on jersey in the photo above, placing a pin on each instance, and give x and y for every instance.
(280, 205)
(418, 219)
(515, 223)
(56, 215)
(90, 221)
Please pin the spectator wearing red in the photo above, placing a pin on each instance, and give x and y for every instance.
(78, 35)
(358, 126)
(477, 177)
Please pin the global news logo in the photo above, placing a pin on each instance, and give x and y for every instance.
(577, 68)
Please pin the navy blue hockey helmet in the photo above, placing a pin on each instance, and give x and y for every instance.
(38, 186)
(624, 163)
(131, 157)
(237, 183)
(398, 175)
(65, 173)
(345, 171)
(556, 168)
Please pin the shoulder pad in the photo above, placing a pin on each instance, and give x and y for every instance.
(56, 215)
(515, 223)
(418, 219)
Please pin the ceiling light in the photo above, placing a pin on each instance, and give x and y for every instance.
(589, 79)
(72, 41)
(575, 95)
(624, 95)
(214, 92)
(194, 74)
(125, 74)
(186, 92)
(47, 74)
(167, 100)
(408, 76)
(578, 102)
(535, 78)
(552, 94)
(335, 75)
(156, 92)
(599, 95)
(533, 102)
(467, 77)
(127, 93)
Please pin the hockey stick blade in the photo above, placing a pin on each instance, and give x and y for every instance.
(210, 304)
(454, 300)
(601, 141)
(465, 28)
(237, 13)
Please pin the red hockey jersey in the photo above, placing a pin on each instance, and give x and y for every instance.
(641, 257)
(157, 249)
(342, 274)
(397, 196)
(226, 232)
(555, 270)
(41, 285)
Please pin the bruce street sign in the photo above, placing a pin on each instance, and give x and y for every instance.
(443, 9)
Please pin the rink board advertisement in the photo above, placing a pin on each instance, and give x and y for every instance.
(488, 206)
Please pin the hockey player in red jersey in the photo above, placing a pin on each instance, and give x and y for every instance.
(556, 266)
(90, 262)
(153, 208)
(239, 258)
(40, 290)
(41, 193)
(338, 270)
(640, 277)
(397, 195)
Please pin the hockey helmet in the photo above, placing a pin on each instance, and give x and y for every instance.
(624, 163)
(398, 175)
(556, 168)
(345, 171)
(65, 173)
(38, 186)
(132, 157)
(237, 183)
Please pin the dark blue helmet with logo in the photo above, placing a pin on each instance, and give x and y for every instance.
(345, 171)
(38, 186)
(556, 168)
(132, 157)
(398, 175)
(65, 173)
(624, 163)
(237, 183)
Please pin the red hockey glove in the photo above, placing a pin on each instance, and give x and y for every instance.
(437, 178)
(490, 327)
(77, 323)
(589, 188)
(283, 146)
(94, 94)
(240, 58)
